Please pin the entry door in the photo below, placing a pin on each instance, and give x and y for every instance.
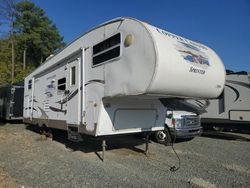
(94, 91)
(72, 92)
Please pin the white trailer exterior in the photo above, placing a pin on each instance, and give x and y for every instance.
(233, 105)
(108, 80)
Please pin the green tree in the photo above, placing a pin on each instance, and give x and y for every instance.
(6, 65)
(30, 37)
(5, 61)
(37, 37)
(7, 16)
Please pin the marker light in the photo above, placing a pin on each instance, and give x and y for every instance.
(128, 40)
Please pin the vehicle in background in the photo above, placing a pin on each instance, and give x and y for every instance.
(231, 110)
(179, 125)
(11, 101)
(182, 121)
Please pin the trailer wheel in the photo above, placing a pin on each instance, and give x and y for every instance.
(46, 131)
(163, 137)
(218, 128)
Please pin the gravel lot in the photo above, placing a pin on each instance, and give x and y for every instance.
(219, 159)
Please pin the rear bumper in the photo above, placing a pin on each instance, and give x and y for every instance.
(186, 132)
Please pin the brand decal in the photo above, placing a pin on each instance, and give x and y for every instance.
(186, 41)
(195, 70)
(48, 94)
(51, 86)
(194, 56)
(191, 52)
(196, 60)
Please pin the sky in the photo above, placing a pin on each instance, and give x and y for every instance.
(223, 25)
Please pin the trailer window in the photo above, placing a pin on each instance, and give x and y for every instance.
(61, 84)
(107, 49)
(73, 76)
(29, 84)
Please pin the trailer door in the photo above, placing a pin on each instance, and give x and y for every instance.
(72, 92)
(94, 91)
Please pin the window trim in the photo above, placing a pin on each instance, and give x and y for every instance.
(99, 53)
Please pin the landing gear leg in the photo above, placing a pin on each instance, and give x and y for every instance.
(103, 148)
(147, 142)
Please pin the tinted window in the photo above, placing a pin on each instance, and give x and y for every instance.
(61, 87)
(108, 43)
(61, 81)
(30, 84)
(61, 84)
(73, 75)
(106, 56)
(107, 49)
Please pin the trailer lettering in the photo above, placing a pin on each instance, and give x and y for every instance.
(180, 38)
(195, 70)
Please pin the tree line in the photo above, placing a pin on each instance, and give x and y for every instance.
(27, 38)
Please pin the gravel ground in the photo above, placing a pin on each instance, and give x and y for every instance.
(218, 159)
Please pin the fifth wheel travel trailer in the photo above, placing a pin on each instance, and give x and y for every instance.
(11, 101)
(232, 108)
(108, 81)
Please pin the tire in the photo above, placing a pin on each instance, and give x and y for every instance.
(218, 128)
(44, 130)
(163, 137)
(188, 139)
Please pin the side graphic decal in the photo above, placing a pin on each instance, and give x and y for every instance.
(239, 83)
(68, 97)
(28, 108)
(234, 89)
(35, 100)
(236, 92)
(57, 109)
(44, 115)
(94, 81)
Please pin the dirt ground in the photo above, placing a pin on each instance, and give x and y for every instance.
(216, 159)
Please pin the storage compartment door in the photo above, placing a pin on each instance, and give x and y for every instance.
(134, 119)
(72, 92)
(239, 115)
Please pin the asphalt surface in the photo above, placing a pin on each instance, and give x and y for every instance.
(216, 159)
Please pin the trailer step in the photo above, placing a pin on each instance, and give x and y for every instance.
(73, 134)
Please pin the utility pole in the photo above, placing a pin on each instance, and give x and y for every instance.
(24, 58)
(12, 50)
